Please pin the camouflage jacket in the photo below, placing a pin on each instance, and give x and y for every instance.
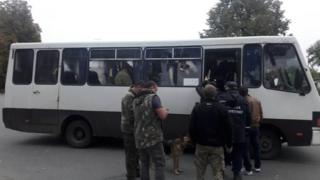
(127, 117)
(147, 125)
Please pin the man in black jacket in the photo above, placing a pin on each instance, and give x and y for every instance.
(210, 130)
(240, 117)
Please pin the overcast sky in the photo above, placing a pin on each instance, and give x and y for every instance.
(141, 20)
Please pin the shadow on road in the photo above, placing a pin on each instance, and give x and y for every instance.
(58, 141)
(42, 140)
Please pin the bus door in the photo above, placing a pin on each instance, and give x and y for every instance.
(19, 90)
(44, 97)
(222, 64)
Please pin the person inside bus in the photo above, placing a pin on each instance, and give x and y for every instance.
(172, 69)
(154, 72)
(211, 69)
(187, 69)
(222, 68)
(69, 77)
(123, 77)
(93, 78)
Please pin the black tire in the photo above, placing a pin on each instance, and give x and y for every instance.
(270, 144)
(78, 134)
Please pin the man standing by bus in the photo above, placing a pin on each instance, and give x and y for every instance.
(127, 129)
(210, 129)
(254, 130)
(239, 114)
(148, 114)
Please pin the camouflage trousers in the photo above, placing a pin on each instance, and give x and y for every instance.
(155, 154)
(213, 156)
(132, 157)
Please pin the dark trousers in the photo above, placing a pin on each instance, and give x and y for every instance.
(132, 158)
(156, 155)
(246, 153)
(237, 153)
(254, 141)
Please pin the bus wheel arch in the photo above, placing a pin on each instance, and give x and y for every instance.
(271, 139)
(77, 131)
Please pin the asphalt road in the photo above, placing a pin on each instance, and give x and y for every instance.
(27, 156)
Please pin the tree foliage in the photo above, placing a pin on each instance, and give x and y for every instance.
(16, 25)
(313, 54)
(246, 18)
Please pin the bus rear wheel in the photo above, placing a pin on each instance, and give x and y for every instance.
(270, 144)
(78, 134)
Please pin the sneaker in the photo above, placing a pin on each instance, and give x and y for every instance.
(257, 170)
(246, 172)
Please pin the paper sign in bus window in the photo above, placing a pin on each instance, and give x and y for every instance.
(190, 82)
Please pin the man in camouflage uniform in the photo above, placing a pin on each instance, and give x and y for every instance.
(211, 130)
(148, 114)
(127, 129)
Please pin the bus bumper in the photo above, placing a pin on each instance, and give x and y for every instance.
(315, 136)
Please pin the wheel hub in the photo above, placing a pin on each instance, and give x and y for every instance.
(79, 134)
(266, 145)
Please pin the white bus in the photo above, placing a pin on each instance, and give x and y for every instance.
(75, 89)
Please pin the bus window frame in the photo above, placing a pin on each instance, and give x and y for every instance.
(261, 75)
(14, 65)
(300, 65)
(115, 50)
(173, 52)
(89, 84)
(100, 49)
(116, 59)
(199, 59)
(85, 71)
(36, 65)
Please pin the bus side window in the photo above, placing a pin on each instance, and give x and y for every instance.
(23, 66)
(251, 66)
(112, 72)
(174, 66)
(282, 69)
(47, 67)
(222, 64)
(74, 66)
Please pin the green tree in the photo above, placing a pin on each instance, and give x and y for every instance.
(16, 25)
(246, 18)
(313, 54)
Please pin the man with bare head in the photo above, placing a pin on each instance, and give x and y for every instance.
(210, 130)
(148, 114)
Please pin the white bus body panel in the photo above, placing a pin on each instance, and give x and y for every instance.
(93, 98)
(277, 105)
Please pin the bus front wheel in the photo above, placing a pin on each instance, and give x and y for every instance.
(78, 134)
(270, 144)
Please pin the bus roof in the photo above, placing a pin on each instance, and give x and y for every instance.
(199, 42)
